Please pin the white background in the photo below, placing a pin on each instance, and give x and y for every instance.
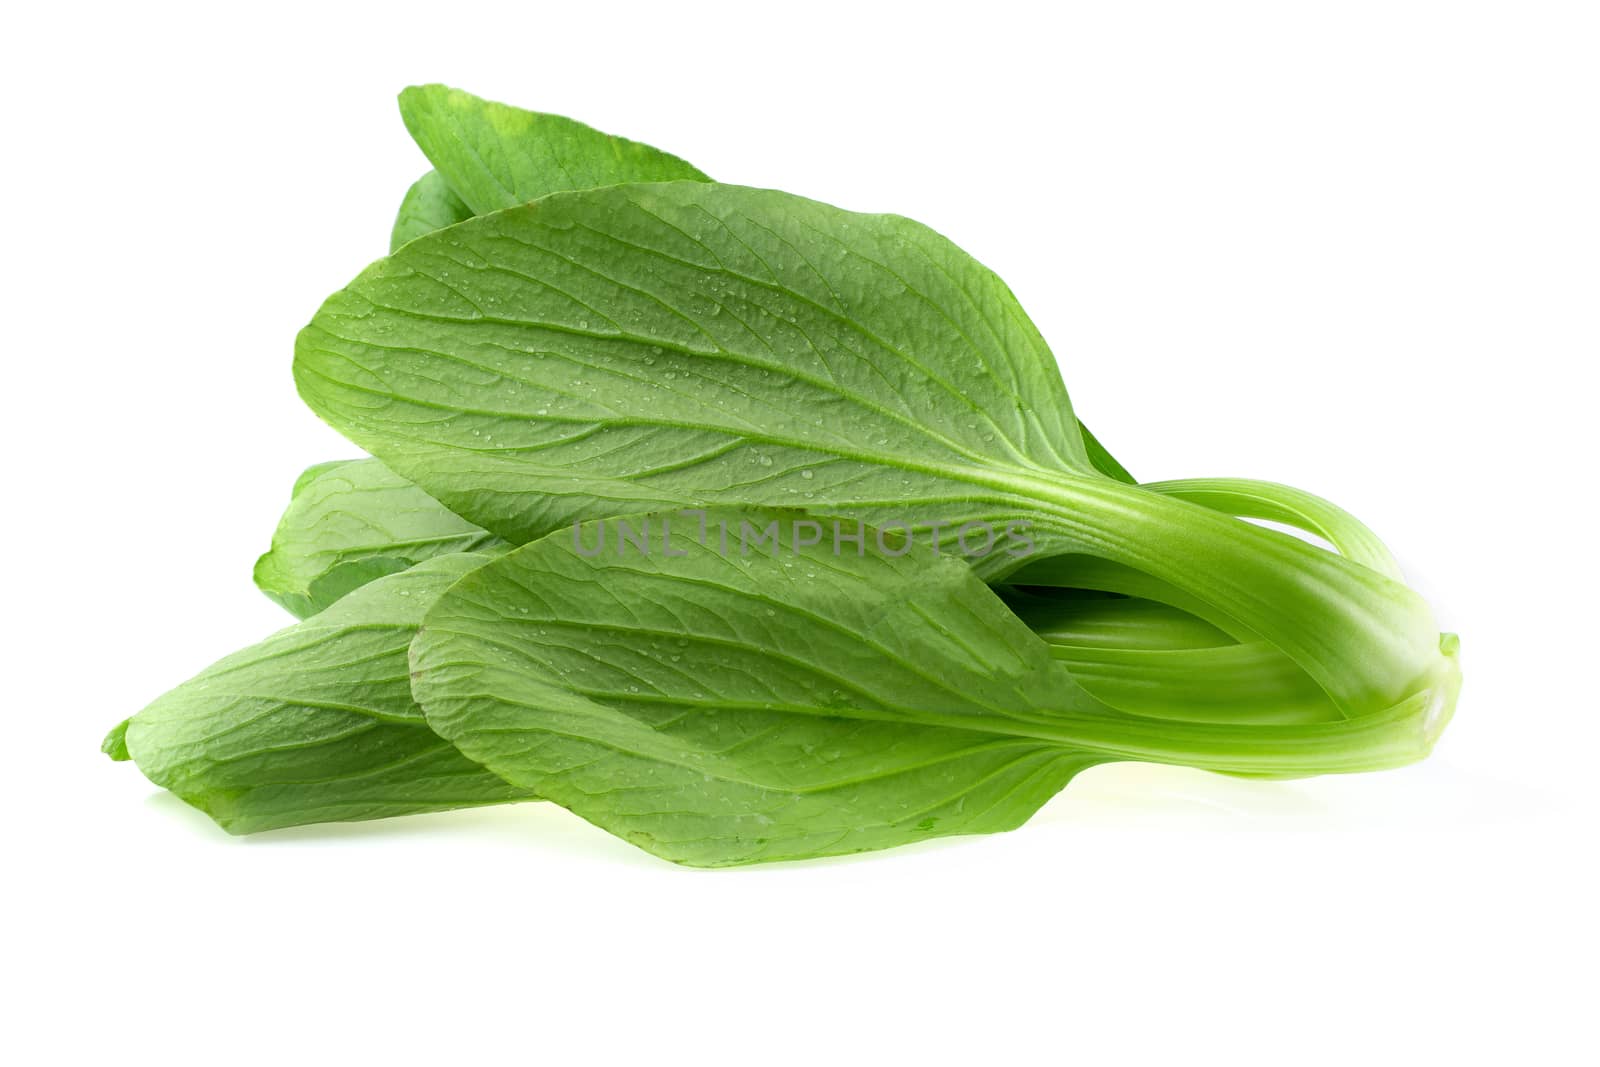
(1350, 246)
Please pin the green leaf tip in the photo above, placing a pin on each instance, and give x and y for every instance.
(495, 156)
(316, 723)
(115, 743)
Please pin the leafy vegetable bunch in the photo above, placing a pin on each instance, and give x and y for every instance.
(748, 528)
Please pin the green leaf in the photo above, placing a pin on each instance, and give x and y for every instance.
(684, 343)
(648, 346)
(495, 156)
(428, 205)
(1102, 460)
(115, 744)
(316, 723)
(353, 521)
(717, 706)
(717, 710)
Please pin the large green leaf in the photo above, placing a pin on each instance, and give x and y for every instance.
(501, 156)
(683, 343)
(314, 724)
(686, 343)
(718, 710)
(350, 522)
(428, 205)
(494, 156)
(717, 706)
